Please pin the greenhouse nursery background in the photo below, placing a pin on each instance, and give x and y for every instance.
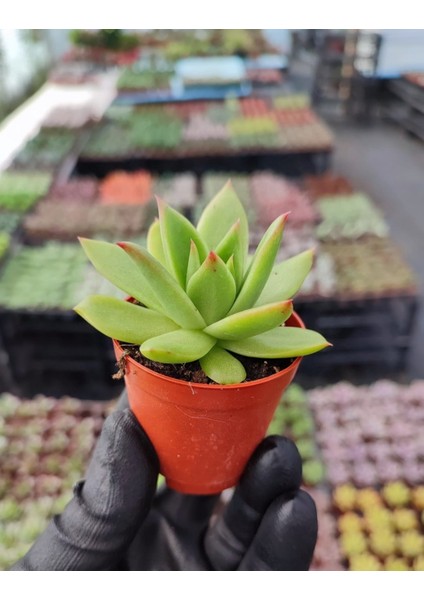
(326, 124)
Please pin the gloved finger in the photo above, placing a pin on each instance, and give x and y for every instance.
(185, 511)
(274, 470)
(107, 508)
(286, 538)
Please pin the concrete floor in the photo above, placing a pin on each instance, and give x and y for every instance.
(383, 161)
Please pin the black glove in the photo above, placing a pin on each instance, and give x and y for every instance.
(115, 521)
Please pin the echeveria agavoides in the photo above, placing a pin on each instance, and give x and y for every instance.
(200, 295)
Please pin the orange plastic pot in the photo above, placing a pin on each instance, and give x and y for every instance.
(204, 434)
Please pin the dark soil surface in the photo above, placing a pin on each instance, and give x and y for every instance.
(255, 368)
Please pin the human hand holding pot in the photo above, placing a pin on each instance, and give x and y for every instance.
(116, 522)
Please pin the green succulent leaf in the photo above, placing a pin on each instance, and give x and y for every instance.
(222, 212)
(178, 346)
(212, 288)
(286, 278)
(260, 267)
(222, 367)
(154, 242)
(231, 268)
(177, 234)
(251, 322)
(230, 242)
(232, 246)
(123, 320)
(114, 264)
(193, 261)
(176, 304)
(281, 342)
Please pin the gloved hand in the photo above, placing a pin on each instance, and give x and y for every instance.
(116, 522)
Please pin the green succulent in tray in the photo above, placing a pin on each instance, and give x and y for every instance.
(199, 295)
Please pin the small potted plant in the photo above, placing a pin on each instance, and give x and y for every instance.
(215, 331)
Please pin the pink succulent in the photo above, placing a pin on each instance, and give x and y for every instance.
(364, 474)
(413, 472)
(378, 450)
(356, 452)
(384, 389)
(401, 430)
(405, 450)
(389, 470)
(338, 474)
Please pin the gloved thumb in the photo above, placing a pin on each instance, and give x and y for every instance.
(108, 507)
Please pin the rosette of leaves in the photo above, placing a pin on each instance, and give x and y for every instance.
(418, 497)
(350, 521)
(395, 563)
(405, 519)
(344, 497)
(364, 562)
(377, 518)
(396, 494)
(411, 543)
(383, 543)
(313, 472)
(367, 499)
(200, 296)
(353, 543)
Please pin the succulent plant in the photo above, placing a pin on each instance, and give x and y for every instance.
(10, 510)
(313, 472)
(303, 426)
(377, 518)
(353, 543)
(363, 474)
(307, 448)
(404, 519)
(419, 563)
(411, 543)
(364, 562)
(418, 497)
(356, 275)
(350, 521)
(349, 217)
(47, 149)
(295, 395)
(200, 297)
(20, 191)
(120, 187)
(23, 285)
(344, 497)
(383, 543)
(134, 79)
(155, 129)
(396, 494)
(277, 425)
(368, 498)
(33, 477)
